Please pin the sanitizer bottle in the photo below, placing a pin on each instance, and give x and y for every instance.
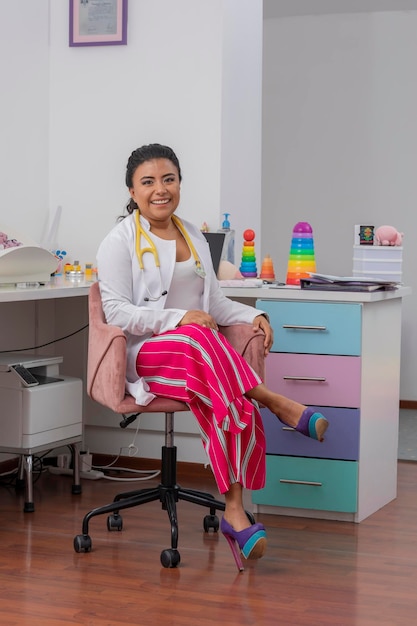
(228, 253)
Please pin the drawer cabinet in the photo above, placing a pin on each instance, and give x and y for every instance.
(343, 358)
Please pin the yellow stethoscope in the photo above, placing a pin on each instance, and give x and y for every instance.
(140, 231)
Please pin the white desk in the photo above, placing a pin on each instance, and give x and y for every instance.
(36, 316)
(59, 287)
(33, 316)
(295, 293)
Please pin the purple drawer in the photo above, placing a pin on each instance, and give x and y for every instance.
(319, 380)
(341, 439)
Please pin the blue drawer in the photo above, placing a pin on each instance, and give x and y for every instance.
(315, 327)
(298, 482)
(341, 439)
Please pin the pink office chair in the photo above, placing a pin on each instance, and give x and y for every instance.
(106, 384)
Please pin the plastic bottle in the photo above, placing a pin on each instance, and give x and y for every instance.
(228, 253)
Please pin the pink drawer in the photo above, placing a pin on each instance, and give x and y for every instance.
(319, 380)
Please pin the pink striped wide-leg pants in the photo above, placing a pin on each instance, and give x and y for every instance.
(198, 366)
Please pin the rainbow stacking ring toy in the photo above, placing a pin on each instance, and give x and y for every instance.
(301, 259)
(248, 267)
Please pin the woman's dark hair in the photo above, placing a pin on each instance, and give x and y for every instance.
(143, 154)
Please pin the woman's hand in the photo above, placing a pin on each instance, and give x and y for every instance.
(198, 317)
(261, 323)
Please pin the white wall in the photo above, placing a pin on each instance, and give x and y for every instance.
(189, 77)
(340, 141)
(241, 122)
(187, 68)
(24, 141)
(175, 83)
(24, 118)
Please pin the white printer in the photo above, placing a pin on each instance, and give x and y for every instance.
(38, 406)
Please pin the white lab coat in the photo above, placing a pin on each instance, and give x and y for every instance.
(123, 291)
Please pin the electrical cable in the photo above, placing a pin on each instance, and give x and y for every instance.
(116, 468)
(9, 478)
(131, 480)
(13, 471)
(43, 345)
(112, 467)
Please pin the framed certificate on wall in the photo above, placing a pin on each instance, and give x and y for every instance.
(97, 22)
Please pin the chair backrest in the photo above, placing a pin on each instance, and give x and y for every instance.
(248, 343)
(106, 368)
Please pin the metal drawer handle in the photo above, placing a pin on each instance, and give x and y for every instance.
(298, 327)
(318, 379)
(300, 482)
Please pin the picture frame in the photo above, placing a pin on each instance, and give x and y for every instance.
(97, 22)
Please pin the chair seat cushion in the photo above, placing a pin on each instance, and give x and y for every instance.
(158, 405)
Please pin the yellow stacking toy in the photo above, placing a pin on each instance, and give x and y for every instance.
(248, 267)
(301, 259)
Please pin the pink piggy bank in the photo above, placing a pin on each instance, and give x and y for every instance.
(388, 236)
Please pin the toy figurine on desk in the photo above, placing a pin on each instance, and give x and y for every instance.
(388, 236)
(5, 242)
(60, 254)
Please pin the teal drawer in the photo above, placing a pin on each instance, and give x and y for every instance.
(299, 482)
(315, 327)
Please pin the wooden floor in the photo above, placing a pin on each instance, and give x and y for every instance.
(315, 572)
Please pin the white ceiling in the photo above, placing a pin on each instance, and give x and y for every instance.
(286, 8)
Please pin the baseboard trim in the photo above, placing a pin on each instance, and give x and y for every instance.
(9, 465)
(408, 404)
(184, 469)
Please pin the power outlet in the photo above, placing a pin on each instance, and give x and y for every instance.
(63, 461)
(86, 461)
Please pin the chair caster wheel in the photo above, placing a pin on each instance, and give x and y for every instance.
(82, 543)
(114, 522)
(170, 557)
(211, 521)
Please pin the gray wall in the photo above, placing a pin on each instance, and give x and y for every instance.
(340, 137)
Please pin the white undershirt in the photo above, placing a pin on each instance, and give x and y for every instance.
(186, 289)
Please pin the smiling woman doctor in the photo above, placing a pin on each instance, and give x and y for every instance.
(157, 283)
